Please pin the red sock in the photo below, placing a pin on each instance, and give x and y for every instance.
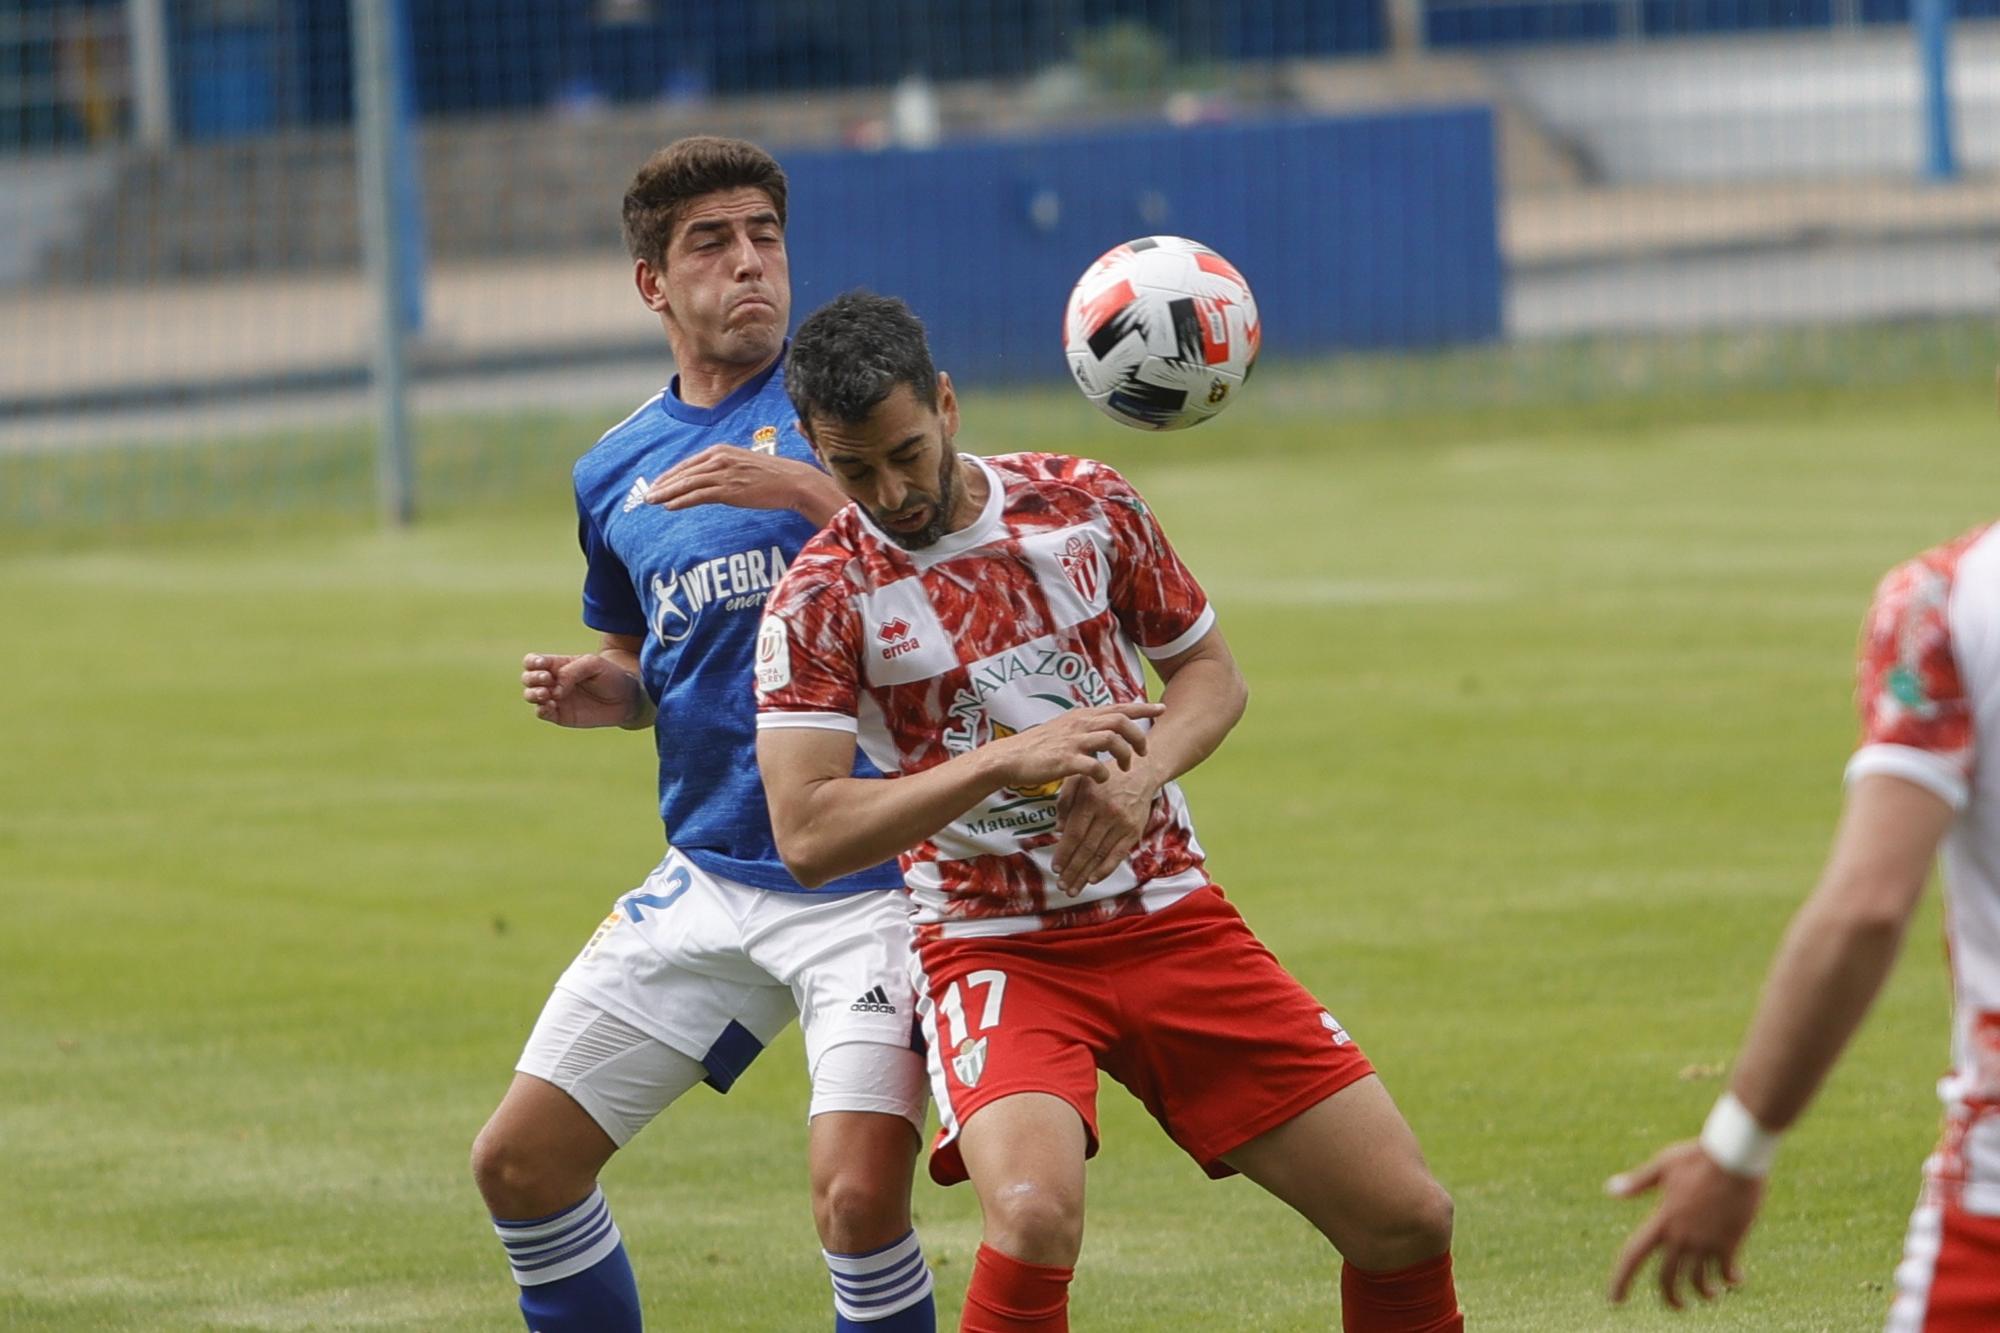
(1417, 1299)
(1009, 1296)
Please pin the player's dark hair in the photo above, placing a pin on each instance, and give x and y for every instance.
(851, 353)
(683, 172)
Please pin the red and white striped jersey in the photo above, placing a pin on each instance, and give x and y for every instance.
(1046, 602)
(1929, 695)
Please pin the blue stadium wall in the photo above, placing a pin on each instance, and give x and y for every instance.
(1358, 232)
(246, 67)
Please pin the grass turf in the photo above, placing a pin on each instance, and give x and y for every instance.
(1548, 712)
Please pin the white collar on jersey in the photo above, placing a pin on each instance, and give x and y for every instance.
(976, 533)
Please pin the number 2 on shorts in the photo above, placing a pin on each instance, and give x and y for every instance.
(952, 1007)
(677, 884)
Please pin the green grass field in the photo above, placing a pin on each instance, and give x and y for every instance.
(1549, 708)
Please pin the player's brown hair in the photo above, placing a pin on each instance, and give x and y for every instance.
(683, 172)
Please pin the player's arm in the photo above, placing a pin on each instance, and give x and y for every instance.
(1831, 965)
(1204, 695)
(729, 474)
(600, 689)
(1202, 699)
(1841, 945)
(829, 823)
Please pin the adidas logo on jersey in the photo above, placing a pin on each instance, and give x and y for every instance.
(875, 1001)
(637, 495)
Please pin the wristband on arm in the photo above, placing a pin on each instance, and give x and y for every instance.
(1734, 1140)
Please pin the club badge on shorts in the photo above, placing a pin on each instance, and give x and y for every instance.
(970, 1062)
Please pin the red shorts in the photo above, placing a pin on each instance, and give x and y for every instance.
(1185, 1007)
(1949, 1280)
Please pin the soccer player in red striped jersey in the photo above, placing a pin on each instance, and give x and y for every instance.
(1922, 779)
(977, 627)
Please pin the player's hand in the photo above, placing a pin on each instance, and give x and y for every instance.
(586, 690)
(1099, 823)
(1704, 1214)
(1071, 746)
(729, 475)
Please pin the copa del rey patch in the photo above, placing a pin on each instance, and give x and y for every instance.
(774, 655)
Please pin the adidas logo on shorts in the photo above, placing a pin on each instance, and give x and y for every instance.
(874, 1002)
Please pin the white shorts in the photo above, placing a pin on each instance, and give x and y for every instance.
(690, 967)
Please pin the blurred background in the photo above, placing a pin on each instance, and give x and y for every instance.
(1437, 201)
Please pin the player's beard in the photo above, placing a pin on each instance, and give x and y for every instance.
(940, 520)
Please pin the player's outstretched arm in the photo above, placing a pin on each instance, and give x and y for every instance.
(829, 823)
(600, 689)
(731, 475)
(1100, 823)
(1834, 959)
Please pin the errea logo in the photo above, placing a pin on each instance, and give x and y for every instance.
(896, 634)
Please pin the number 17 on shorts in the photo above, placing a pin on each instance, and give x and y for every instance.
(961, 1037)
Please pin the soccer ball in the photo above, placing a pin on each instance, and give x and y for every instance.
(1161, 332)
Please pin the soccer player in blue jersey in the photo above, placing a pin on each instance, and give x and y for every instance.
(689, 511)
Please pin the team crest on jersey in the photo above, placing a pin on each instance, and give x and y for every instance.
(1081, 565)
(970, 1062)
(765, 441)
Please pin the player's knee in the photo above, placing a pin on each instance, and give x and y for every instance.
(517, 1182)
(1416, 1229)
(856, 1211)
(497, 1169)
(1430, 1221)
(1035, 1224)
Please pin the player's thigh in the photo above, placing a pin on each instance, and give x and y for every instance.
(666, 969)
(1351, 1165)
(1200, 994)
(1000, 1022)
(846, 962)
(616, 1075)
(877, 1079)
(1026, 1138)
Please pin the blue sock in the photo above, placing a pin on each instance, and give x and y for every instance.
(572, 1269)
(886, 1290)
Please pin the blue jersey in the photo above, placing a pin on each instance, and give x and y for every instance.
(693, 583)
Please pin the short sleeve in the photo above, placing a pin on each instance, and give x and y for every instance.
(808, 652)
(610, 603)
(1155, 596)
(1916, 721)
